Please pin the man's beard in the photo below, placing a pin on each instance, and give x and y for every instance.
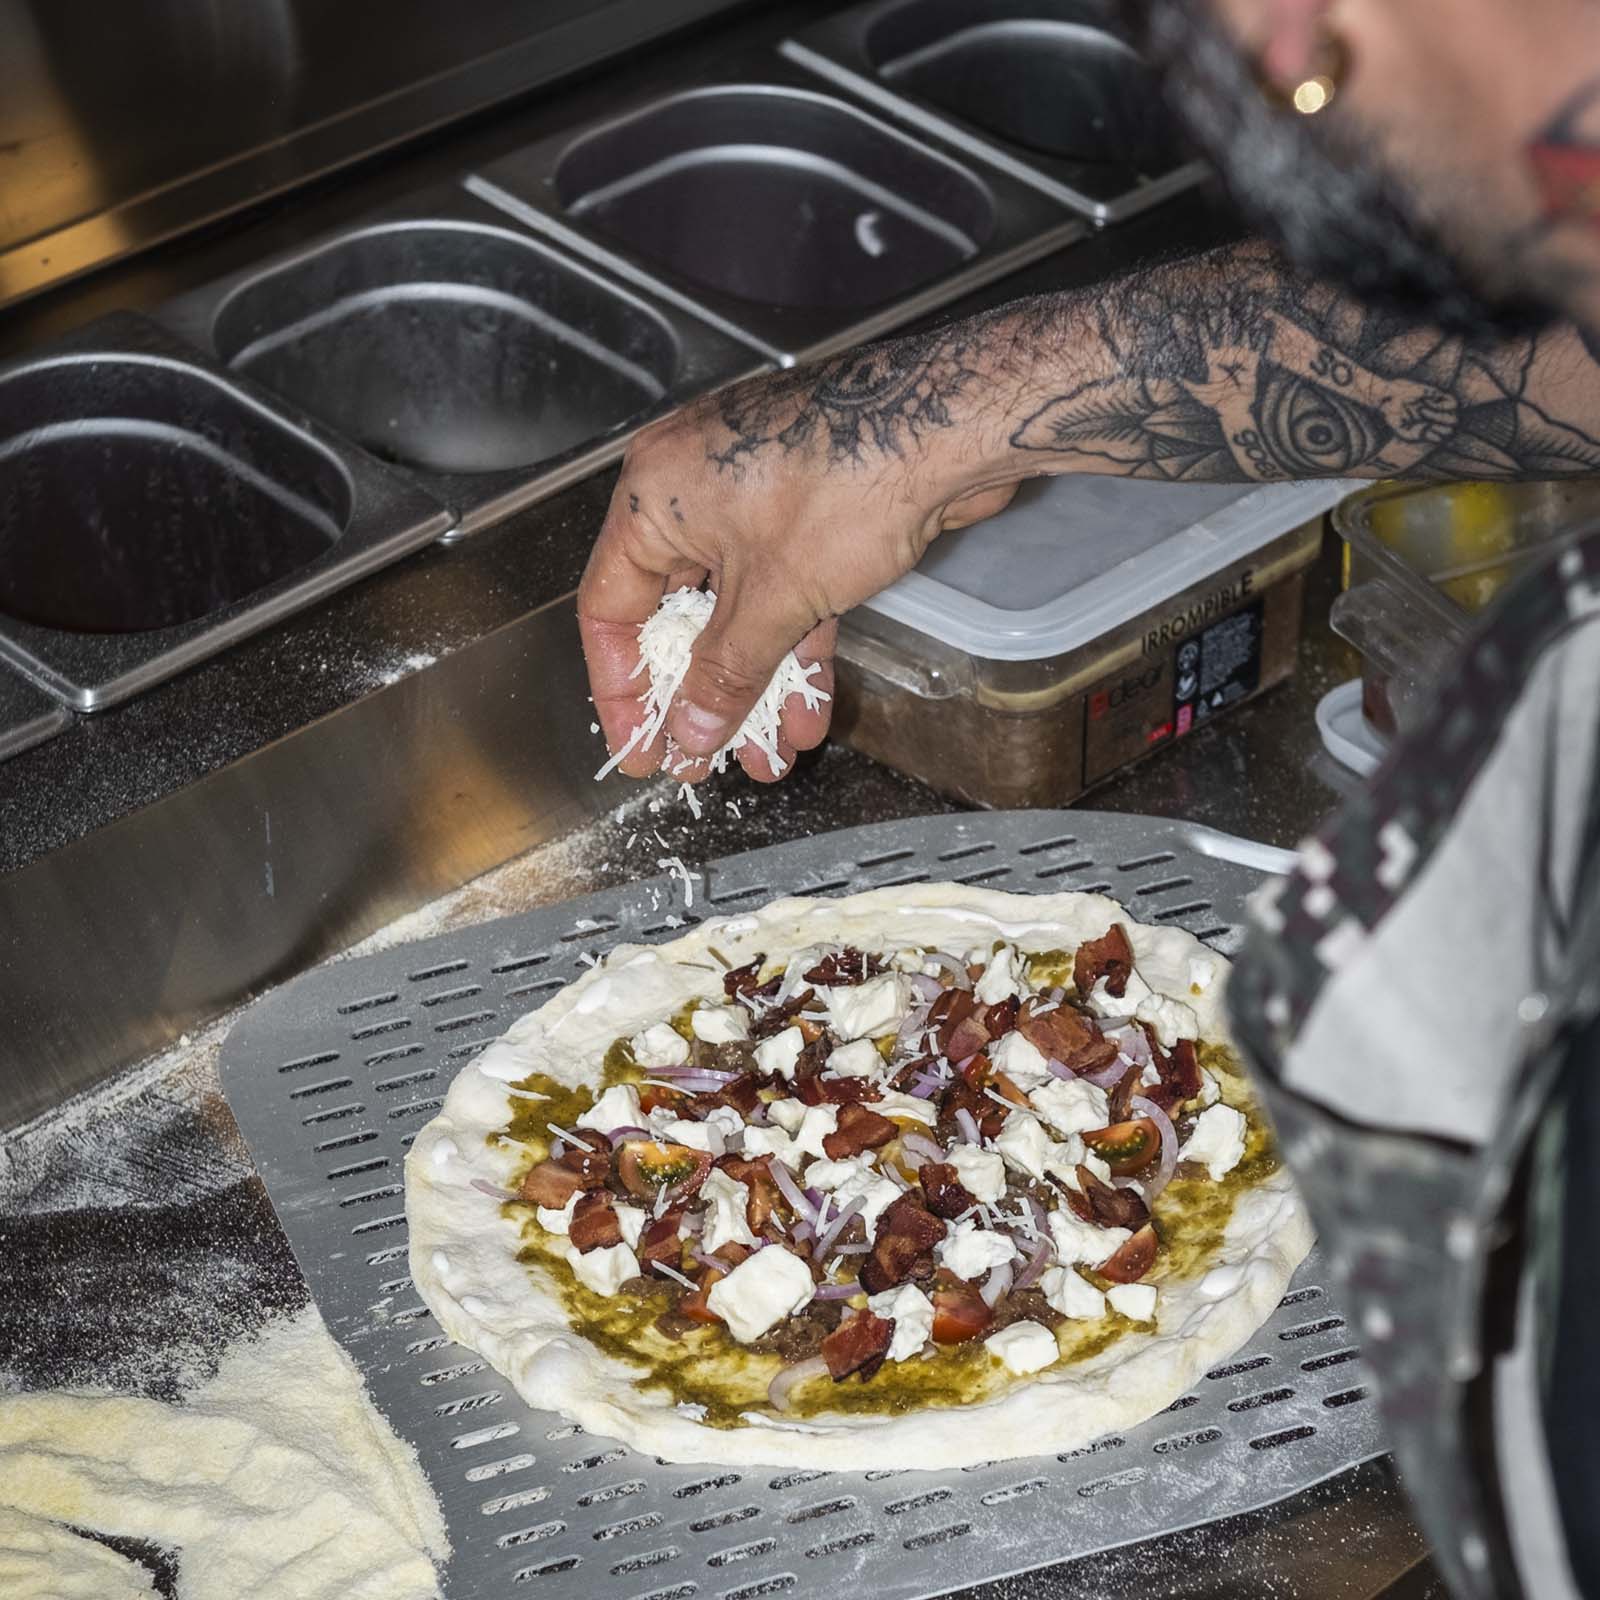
(1325, 198)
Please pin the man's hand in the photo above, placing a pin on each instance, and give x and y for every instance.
(793, 520)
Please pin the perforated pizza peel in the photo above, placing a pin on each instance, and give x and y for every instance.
(331, 1077)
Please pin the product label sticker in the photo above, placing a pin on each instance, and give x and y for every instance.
(1219, 665)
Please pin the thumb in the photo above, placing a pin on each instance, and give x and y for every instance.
(749, 634)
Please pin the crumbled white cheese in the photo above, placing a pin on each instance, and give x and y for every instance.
(875, 1192)
(1071, 1294)
(727, 1219)
(631, 1219)
(553, 1221)
(982, 1172)
(1077, 1241)
(794, 974)
(760, 1292)
(1217, 1142)
(788, 1114)
(604, 1270)
(1020, 1060)
(1088, 1159)
(1004, 977)
(1124, 1006)
(908, 961)
(895, 1104)
(659, 1045)
(827, 1174)
(1171, 1019)
(780, 1053)
(721, 1131)
(1064, 1158)
(1071, 1107)
(720, 1024)
(618, 1107)
(772, 1142)
(1210, 1089)
(970, 1251)
(815, 1126)
(911, 1311)
(1024, 1144)
(1202, 973)
(1136, 1301)
(866, 1010)
(1024, 1346)
(858, 1059)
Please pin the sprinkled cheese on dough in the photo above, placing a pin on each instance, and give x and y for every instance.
(666, 646)
(760, 1292)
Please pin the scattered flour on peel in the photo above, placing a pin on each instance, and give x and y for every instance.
(666, 644)
(278, 1479)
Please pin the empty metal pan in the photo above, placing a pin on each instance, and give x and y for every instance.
(151, 510)
(458, 347)
(1043, 86)
(785, 214)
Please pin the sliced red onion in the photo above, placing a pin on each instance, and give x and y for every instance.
(1058, 994)
(1169, 1143)
(996, 1284)
(837, 1291)
(966, 1061)
(1034, 1265)
(817, 1199)
(688, 1070)
(832, 1233)
(493, 1190)
(558, 1147)
(916, 1020)
(704, 1082)
(1108, 1078)
(928, 988)
(779, 1389)
(792, 1192)
(852, 1249)
(954, 965)
(924, 1086)
(621, 1135)
(1133, 1042)
(1040, 1220)
(919, 1144)
(708, 1260)
(968, 1126)
(802, 1232)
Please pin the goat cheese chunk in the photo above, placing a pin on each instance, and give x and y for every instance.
(631, 1219)
(1217, 1143)
(982, 1172)
(554, 1221)
(1135, 1301)
(604, 1270)
(1071, 1294)
(970, 1251)
(868, 1010)
(815, 1126)
(1024, 1347)
(1024, 1144)
(727, 1216)
(858, 1059)
(911, 1311)
(788, 1114)
(618, 1107)
(1077, 1241)
(1005, 976)
(1022, 1061)
(779, 1054)
(760, 1292)
(895, 1104)
(1073, 1107)
(772, 1142)
(659, 1045)
(720, 1024)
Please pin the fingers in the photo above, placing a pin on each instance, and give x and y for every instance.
(804, 728)
(966, 509)
(758, 767)
(753, 627)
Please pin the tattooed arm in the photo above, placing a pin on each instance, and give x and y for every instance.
(801, 493)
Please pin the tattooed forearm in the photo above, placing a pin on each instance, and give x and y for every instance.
(1228, 367)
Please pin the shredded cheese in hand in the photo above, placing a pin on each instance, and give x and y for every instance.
(666, 643)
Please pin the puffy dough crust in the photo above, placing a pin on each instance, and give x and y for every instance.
(463, 1250)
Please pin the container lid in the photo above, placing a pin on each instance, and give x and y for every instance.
(1073, 557)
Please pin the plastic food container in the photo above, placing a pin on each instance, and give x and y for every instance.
(1423, 560)
(1092, 623)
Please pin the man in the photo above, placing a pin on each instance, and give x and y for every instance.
(1438, 208)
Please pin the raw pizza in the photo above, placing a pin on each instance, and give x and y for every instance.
(922, 1177)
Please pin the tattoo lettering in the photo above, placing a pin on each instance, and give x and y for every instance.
(881, 400)
(1262, 377)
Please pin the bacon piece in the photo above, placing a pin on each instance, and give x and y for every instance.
(659, 1243)
(1134, 1257)
(967, 1038)
(1068, 1036)
(950, 1014)
(858, 1345)
(1098, 1202)
(945, 1194)
(962, 1096)
(1119, 1101)
(1109, 957)
(902, 1247)
(550, 1184)
(858, 1129)
(904, 1075)
(590, 1162)
(1002, 1018)
(595, 1223)
(743, 1095)
(746, 980)
(844, 969)
(776, 1018)
(756, 1175)
(1180, 1073)
(835, 1091)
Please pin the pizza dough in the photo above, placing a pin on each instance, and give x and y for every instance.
(464, 1247)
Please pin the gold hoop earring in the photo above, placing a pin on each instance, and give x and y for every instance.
(1316, 91)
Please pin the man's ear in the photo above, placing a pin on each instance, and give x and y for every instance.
(1290, 42)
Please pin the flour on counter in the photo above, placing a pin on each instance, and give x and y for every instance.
(278, 1479)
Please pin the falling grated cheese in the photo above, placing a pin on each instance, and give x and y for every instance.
(734, 811)
(692, 800)
(666, 644)
(674, 865)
